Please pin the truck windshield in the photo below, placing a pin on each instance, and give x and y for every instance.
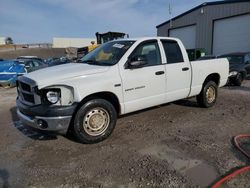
(107, 54)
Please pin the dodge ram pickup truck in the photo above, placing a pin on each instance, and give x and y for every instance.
(116, 78)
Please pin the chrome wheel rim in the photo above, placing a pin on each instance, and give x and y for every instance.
(96, 121)
(210, 94)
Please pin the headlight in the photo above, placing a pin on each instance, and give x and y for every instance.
(53, 96)
(233, 73)
(60, 95)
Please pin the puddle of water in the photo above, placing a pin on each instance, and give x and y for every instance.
(198, 171)
(202, 174)
(174, 157)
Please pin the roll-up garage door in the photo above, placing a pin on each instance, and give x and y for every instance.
(186, 34)
(231, 35)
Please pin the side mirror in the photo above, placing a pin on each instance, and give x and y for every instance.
(137, 62)
(247, 62)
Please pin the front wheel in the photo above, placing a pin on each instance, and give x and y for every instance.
(208, 95)
(94, 121)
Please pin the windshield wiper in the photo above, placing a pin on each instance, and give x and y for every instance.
(94, 62)
(89, 61)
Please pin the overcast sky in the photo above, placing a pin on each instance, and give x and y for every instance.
(29, 21)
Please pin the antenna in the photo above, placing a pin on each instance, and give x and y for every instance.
(170, 14)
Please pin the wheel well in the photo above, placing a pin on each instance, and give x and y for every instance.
(213, 77)
(111, 97)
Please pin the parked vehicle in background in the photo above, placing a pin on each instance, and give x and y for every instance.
(116, 78)
(239, 67)
(100, 39)
(206, 57)
(194, 54)
(31, 63)
(30, 58)
(57, 61)
(9, 71)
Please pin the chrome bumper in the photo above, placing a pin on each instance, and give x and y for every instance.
(58, 124)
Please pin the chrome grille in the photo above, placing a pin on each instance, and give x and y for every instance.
(25, 87)
(26, 91)
(28, 97)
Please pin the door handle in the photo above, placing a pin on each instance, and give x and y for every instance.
(159, 72)
(185, 69)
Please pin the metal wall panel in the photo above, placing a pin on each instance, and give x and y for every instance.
(203, 18)
(232, 35)
(186, 34)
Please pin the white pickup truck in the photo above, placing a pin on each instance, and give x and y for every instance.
(116, 78)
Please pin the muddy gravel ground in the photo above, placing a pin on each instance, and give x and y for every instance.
(173, 145)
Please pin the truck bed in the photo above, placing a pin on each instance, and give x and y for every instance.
(201, 69)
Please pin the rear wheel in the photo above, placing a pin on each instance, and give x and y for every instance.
(94, 121)
(208, 95)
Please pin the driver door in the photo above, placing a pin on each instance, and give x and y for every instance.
(145, 86)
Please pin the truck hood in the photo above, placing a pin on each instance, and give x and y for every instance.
(51, 75)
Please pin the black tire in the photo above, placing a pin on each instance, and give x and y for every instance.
(229, 82)
(83, 129)
(203, 99)
(238, 80)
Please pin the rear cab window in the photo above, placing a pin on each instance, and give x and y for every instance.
(172, 51)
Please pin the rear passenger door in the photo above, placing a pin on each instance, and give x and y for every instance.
(178, 71)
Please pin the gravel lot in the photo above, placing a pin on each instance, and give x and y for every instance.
(173, 145)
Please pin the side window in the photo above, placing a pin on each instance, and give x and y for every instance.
(29, 63)
(36, 63)
(172, 51)
(150, 51)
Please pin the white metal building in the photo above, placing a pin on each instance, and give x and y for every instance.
(5, 40)
(2, 40)
(72, 42)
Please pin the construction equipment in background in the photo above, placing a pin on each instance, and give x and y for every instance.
(83, 51)
(78, 53)
(109, 36)
(74, 53)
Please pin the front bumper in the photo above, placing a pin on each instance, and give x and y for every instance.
(46, 118)
(51, 124)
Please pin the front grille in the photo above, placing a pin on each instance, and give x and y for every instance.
(26, 91)
(25, 87)
(28, 97)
